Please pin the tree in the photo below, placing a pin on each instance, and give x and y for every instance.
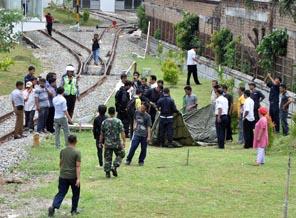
(142, 19)
(8, 38)
(186, 31)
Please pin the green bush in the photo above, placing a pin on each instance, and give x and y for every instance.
(270, 47)
(157, 34)
(170, 72)
(219, 42)
(186, 31)
(142, 19)
(85, 16)
(159, 49)
(5, 63)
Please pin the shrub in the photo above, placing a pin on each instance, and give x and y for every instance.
(219, 42)
(270, 47)
(186, 31)
(159, 49)
(85, 16)
(230, 54)
(142, 19)
(157, 34)
(270, 132)
(5, 63)
(170, 72)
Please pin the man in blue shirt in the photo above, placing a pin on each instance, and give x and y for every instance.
(274, 99)
(167, 108)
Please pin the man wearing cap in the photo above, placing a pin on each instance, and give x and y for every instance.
(257, 97)
(29, 98)
(70, 85)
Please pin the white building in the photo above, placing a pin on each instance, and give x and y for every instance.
(32, 10)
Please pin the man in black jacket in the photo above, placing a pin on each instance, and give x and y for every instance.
(97, 132)
(167, 108)
(153, 95)
(122, 99)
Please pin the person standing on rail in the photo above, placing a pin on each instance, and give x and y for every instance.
(29, 97)
(122, 98)
(49, 22)
(70, 85)
(96, 49)
(192, 65)
(17, 100)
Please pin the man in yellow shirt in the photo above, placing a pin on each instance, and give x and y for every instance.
(240, 111)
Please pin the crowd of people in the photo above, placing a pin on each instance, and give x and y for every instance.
(54, 104)
(252, 115)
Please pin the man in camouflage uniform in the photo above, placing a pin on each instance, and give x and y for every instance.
(111, 130)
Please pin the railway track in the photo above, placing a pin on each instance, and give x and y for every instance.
(82, 66)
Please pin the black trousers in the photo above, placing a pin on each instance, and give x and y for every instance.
(274, 112)
(71, 99)
(64, 185)
(221, 130)
(49, 28)
(256, 114)
(248, 133)
(152, 113)
(229, 129)
(50, 120)
(29, 119)
(192, 69)
(166, 130)
(124, 117)
(99, 152)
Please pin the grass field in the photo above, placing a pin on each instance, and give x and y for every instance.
(215, 183)
(66, 17)
(22, 57)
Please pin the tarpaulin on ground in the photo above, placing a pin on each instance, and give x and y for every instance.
(194, 128)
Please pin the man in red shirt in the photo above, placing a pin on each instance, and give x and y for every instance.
(49, 22)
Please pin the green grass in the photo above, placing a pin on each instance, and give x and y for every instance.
(67, 17)
(177, 91)
(215, 184)
(22, 57)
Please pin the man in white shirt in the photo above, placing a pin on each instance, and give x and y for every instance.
(29, 97)
(60, 117)
(248, 120)
(221, 111)
(191, 65)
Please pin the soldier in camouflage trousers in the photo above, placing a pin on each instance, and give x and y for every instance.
(111, 130)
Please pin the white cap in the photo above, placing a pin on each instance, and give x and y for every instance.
(70, 68)
(29, 84)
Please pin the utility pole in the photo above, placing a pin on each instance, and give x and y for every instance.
(77, 14)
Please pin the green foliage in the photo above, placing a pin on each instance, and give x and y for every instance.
(229, 82)
(219, 42)
(159, 49)
(230, 54)
(170, 71)
(186, 31)
(293, 129)
(85, 15)
(8, 38)
(5, 63)
(142, 19)
(157, 34)
(177, 57)
(270, 47)
(287, 7)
